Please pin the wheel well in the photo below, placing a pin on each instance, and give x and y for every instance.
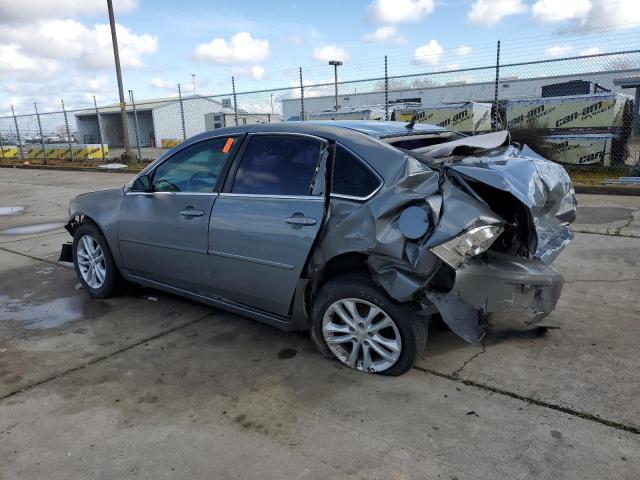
(77, 220)
(352, 262)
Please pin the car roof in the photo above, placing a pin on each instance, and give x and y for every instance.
(360, 136)
(380, 128)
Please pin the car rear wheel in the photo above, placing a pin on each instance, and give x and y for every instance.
(94, 263)
(356, 322)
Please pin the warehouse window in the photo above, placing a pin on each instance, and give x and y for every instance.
(351, 177)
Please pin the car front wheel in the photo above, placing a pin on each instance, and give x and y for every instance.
(94, 263)
(356, 322)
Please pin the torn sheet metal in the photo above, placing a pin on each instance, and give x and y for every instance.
(402, 266)
(460, 316)
(542, 186)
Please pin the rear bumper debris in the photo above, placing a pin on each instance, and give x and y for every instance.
(524, 291)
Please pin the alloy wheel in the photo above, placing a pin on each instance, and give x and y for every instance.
(361, 335)
(91, 261)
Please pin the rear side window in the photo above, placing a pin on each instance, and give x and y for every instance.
(351, 177)
(277, 165)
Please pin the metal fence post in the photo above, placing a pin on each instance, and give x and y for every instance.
(235, 100)
(135, 124)
(184, 130)
(15, 121)
(66, 124)
(301, 97)
(95, 105)
(44, 151)
(496, 115)
(386, 90)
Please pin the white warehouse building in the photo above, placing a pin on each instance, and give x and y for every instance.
(160, 119)
(453, 92)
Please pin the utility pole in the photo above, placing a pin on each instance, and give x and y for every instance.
(123, 105)
(193, 80)
(336, 64)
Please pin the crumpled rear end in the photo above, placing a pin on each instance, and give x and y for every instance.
(528, 199)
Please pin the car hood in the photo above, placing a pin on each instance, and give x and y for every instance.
(542, 186)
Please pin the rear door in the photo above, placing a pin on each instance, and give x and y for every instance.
(163, 234)
(266, 220)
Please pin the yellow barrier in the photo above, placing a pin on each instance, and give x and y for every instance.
(10, 152)
(59, 152)
(169, 142)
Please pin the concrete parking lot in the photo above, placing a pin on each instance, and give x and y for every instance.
(148, 385)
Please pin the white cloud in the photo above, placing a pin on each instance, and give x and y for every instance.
(61, 40)
(242, 48)
(557, 51)
(258, 72)
(398, 11)
(429, 53)
(589, 14)
(590, 51)
(452, 66)
(463, 50)
(384, 34)
(100, 83)
(331, 52)
(16, 65)
(490, 12)
(161, 84)
(31, 10)
(558, 11)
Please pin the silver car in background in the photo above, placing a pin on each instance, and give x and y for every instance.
(357, 231)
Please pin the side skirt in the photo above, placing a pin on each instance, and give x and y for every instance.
(283, 323)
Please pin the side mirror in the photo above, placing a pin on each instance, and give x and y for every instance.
(142, 184)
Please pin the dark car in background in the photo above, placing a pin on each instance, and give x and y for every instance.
(357, 231)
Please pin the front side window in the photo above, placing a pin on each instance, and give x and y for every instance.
(351, 177)
(278, 165)
(194, 169)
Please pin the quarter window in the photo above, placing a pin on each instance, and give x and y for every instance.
(351, 177)
(194, 169)
(277, 165)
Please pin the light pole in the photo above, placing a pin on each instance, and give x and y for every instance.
(193, 80)
(336, 64)
(123, 105)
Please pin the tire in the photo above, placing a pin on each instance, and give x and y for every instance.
(339, 296)
(105, 285)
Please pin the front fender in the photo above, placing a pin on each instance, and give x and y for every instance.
(101, 208)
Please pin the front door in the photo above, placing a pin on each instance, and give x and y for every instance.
(266, 221)
(163, 233)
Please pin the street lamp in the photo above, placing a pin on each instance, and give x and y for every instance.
(336, 64)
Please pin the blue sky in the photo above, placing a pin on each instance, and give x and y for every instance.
(61, 49)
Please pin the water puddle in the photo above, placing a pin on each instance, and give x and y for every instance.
(51, 314)
(30, 229)
(11, 210)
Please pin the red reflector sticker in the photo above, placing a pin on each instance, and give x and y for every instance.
(227, 145)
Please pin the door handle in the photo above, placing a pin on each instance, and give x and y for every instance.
(301, 221)
(191, 212)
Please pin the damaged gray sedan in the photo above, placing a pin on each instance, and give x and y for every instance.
(357, 231)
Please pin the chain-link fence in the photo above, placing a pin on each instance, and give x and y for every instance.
(580, 110)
